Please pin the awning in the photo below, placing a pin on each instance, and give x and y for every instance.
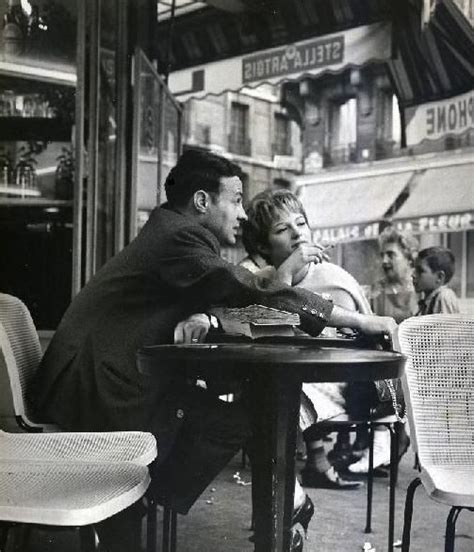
(431, 57)
(434, 62)
(442, 200)
(309, 58)
(347, 209)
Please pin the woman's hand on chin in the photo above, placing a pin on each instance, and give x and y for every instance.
(295, 266)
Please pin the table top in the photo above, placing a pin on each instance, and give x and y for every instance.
(308, 362)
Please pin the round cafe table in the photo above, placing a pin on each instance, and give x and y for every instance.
(275, 372)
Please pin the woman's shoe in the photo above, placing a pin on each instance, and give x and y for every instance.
(303, 514)
(296, 544)
(329, 479)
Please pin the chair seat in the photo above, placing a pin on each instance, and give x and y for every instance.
(450, 484)
(345, 420)
(68, 495)
(118, 446)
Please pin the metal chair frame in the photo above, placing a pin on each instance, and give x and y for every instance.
(390, 422)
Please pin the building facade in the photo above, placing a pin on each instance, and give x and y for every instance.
(360, 176)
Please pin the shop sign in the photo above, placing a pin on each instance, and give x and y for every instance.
(333, 52)
(437, 119)
(438, 223)
(293, 59)
(347, 233)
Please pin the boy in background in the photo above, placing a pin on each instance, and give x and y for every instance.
(434, 268)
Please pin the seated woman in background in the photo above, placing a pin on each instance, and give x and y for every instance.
(394, 294)
(277, 229)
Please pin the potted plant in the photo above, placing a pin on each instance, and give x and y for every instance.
(64, 183)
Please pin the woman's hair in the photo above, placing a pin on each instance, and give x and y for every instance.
(439, 258)
(407, 243)
(197, 170)
(262, 212)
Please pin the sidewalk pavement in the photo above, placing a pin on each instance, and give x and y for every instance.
(220, 520)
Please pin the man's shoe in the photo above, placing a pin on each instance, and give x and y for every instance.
(329, 479)
(340, 458)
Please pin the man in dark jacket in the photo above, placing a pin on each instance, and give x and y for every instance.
(148, 294)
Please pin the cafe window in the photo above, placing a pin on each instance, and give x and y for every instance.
(470, 263)
(455, 243)
(239, 141)
(37, 158)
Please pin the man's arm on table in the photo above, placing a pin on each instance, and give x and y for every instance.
(196, 327)
(365, 323)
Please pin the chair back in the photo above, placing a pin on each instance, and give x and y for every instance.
(20, 355)
(439, 386)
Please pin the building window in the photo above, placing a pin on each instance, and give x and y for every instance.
(239, 141)
(388, 129)
(342, 133)
(282, 143)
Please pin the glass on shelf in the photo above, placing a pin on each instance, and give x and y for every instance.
(25, 105)
(8, 104)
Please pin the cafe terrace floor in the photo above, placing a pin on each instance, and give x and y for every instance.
(219, 521)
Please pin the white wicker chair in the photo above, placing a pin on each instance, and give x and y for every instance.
(20, 355)
(439, 389)
(108, 447)
(68, 494)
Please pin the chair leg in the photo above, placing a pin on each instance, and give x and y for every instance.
(87, 539)
(151, 524)
(370, 481)
(408, 515)
(393, 481)
(243, 462)
(174, 530)
(451, 528)
(166, 528)
(170, 529)
(5, 533)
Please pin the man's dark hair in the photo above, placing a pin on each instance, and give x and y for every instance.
(197, 170)
(439, 258)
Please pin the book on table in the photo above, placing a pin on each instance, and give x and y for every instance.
(256, 321)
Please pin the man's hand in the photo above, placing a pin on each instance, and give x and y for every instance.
(192, 330)
(372, 324)
(365, 323)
